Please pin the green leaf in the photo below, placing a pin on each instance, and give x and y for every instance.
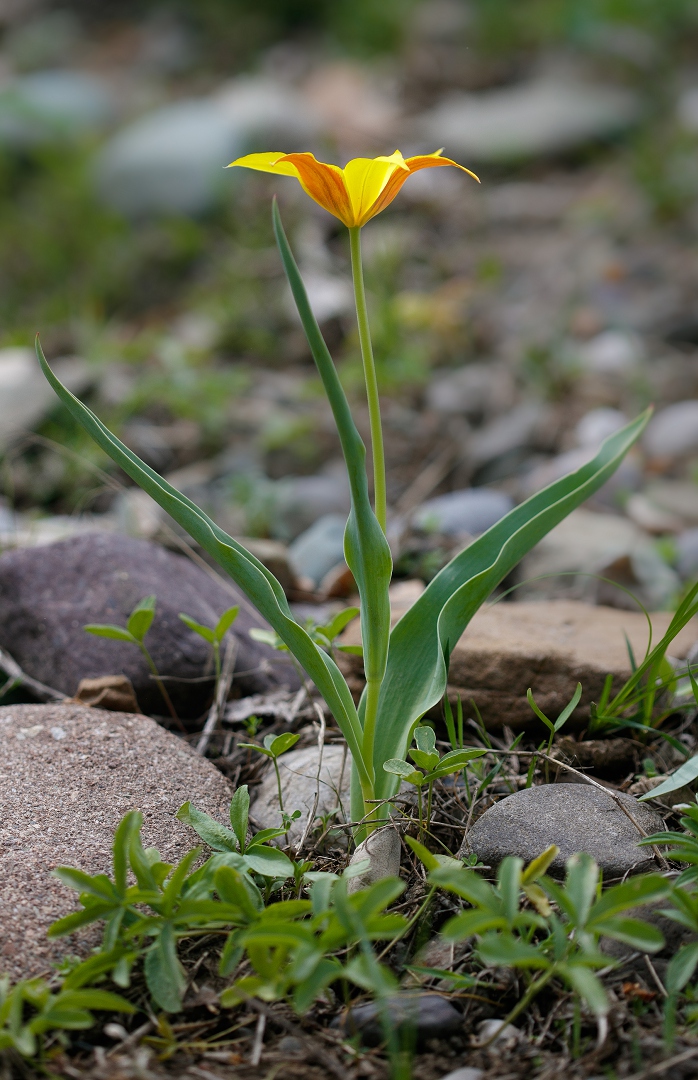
(468, 885)
(587, 985)
(580, 886)
(352, 650)
(423, 853)
(141, 618)
(506, 950)
(279, 744)
(415, 678)
(225, 622)
(340, 621)
(423, 760)
(454, 761)
(258, 584)
(403, 769)
(163, 972)
(682, 967)
(104, 630)
(643, 889)
(94, 999)
(538, 866)
(541, 715)
(270, 862)
(255, 746)
(470, 923)
(203, 631)
(97, 885)
(509, 885)
(634, 932)
(130, 823)
(685, 774)
(211, 832)
(425, 738)
(569, 708)
(239, 814)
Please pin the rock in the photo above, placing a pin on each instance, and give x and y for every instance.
(477, 391)
(513, 432)
(172, 160)
(576, 817)
(48, 594)
(549, 645)
(506, 1033)
(687, 554)
(650, 517)
(543, 117)
(169, 161)
(471, 511)
(25, 396)
(299, 785)
(597, 425)
(612, 352)
(382, 849)
(69, 775)
(112, 692)
(675, 497)
(28, 531)
(417, 1017)
(300, 500)
(319, 549)
(289, 1044)
(597, 545)
(466, 1072)
(49, 106)
(672, 433)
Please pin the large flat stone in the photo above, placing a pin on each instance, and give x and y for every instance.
(68, 774)
(549, 646)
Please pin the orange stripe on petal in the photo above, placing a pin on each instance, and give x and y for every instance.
(324, 183)
(414, 164)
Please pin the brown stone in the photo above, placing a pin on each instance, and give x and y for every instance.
(549, 646)
(112, 692)
(68, 775)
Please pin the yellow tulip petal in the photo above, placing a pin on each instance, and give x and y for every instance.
(324, 183)
(398, 177)
(366, 178)
(270, 162)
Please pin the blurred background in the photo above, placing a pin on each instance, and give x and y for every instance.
(516, 323)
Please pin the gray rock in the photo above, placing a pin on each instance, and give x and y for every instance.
(52, 105)
(676, 497)
(172, 160)
(598, 424)
(69, 774)
(300, 500)
(475, 390)
(416, 1017)
(471, 511)
(673, 432)
(48, 594)
(169, 161)
(320, 548)
(546, 116)
(687, 554)
(382, 849)
(25, 396)
(514, 431)
(466, 1072)
(576, 817)
(506, 1033)
(300, 784)
(586, 546)
(612, 352)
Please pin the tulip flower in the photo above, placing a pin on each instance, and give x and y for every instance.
(355, 194)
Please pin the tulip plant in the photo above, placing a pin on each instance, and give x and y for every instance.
(406, 668)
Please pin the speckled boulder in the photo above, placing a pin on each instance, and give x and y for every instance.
(47, 595)
(576, 817)
(68, 774)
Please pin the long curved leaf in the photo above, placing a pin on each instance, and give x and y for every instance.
(258, 584)
(415, 677)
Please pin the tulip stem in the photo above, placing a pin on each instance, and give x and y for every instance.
(374, 412)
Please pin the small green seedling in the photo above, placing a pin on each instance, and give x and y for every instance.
(427, 757)
(257, 855)
(214, 635)
(323, 635)
(554, 727)
(274, 746)
(139, 622)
